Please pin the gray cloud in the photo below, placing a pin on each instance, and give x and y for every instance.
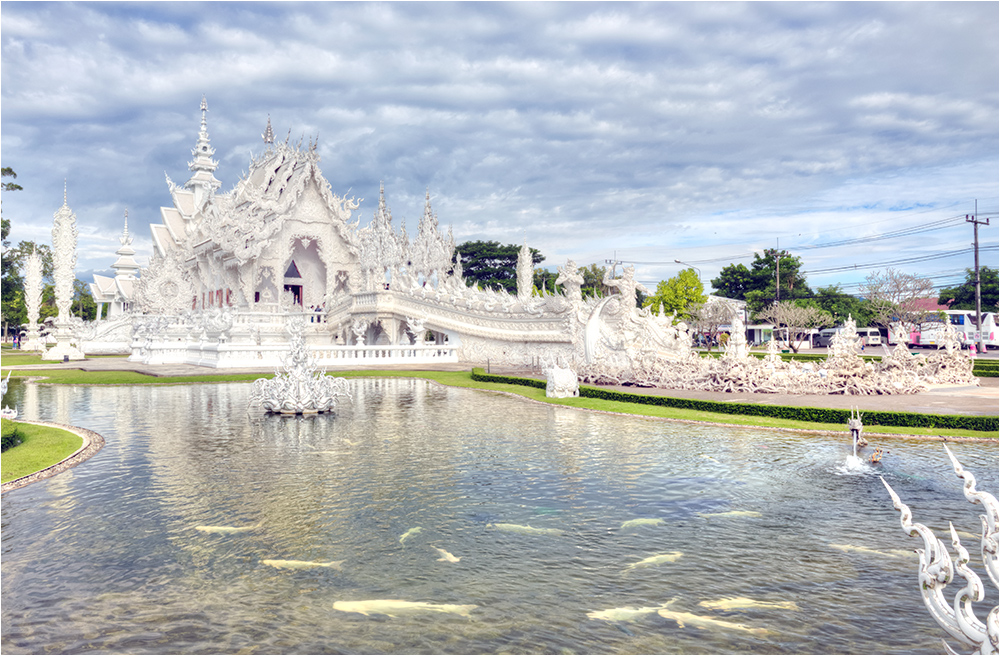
(669, 130)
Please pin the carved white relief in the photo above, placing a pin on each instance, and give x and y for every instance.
(164, 288)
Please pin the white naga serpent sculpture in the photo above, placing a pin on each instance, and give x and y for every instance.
(937, 570)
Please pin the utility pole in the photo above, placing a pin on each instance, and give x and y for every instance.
(981, 345)
(777, 270)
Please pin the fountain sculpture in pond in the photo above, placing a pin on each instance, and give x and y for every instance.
(937, 570)
(7, 412)
(302, 389)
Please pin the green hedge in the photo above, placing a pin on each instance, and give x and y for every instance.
(9, 435)
(819, 415)
(985, 368)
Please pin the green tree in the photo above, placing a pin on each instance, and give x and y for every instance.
(774, 275)
(840, 305)
(7, 172)
(83, 301)
(15, 313)
(545, 279)
(9, 274)
(488, 264)
(963, 296)
(678, 295)
(734, 281)
(593, 281)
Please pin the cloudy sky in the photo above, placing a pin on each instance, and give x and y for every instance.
(699, 132)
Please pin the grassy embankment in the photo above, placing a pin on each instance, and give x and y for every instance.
(40, 447)
(12, 358)
(464, 379)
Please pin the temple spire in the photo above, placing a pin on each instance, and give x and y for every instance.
(125, 266)
(203, 182)
(125, 239)
(268, 135)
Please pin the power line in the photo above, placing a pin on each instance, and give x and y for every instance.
(904, 232)
(909, 260)
(894, 234)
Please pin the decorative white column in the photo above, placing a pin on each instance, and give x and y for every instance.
(64, 235)
(525, 273)
(33, 301)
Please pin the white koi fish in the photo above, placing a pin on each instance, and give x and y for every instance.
(731, 513)
(626, 614)
(732, 603)
(652, 561)
(525, 530)
(397, 607)
(642, 521)
(413, 531)
(226, 530)
(704, 622)
(302, 564)
(445, 556)
(891, 553)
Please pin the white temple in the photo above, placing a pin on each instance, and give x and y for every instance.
(230, 268)
(231, 271)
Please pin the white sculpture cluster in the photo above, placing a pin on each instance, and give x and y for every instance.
(650, 360)
(937, 569)
(302, 388)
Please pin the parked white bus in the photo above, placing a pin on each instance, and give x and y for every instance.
(964, 323)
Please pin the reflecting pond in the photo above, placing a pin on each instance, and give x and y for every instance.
(106, 558)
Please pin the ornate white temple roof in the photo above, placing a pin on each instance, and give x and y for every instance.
(241, 223)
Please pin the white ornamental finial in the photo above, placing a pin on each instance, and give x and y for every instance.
(125, 239)
(65, 203)
(204, 111)
(268, 135)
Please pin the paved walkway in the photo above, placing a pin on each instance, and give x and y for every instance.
(968, 400)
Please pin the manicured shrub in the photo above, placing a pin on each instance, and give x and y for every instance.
(10, 435)
(817, 415)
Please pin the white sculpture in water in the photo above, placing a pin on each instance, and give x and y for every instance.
(6, 413)
(937, 569)
(302, 388)
(64, 235)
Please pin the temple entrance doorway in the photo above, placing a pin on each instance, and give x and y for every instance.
(296, 291)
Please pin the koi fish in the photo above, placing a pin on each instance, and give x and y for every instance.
(397, 607)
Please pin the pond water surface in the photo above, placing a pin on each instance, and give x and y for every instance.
(105, 558)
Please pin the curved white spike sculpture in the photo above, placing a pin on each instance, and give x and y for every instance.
(937, 570)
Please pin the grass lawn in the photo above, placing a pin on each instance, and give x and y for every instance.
(41, 447)
(13, 358)
(17, 358)
(464, 379)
